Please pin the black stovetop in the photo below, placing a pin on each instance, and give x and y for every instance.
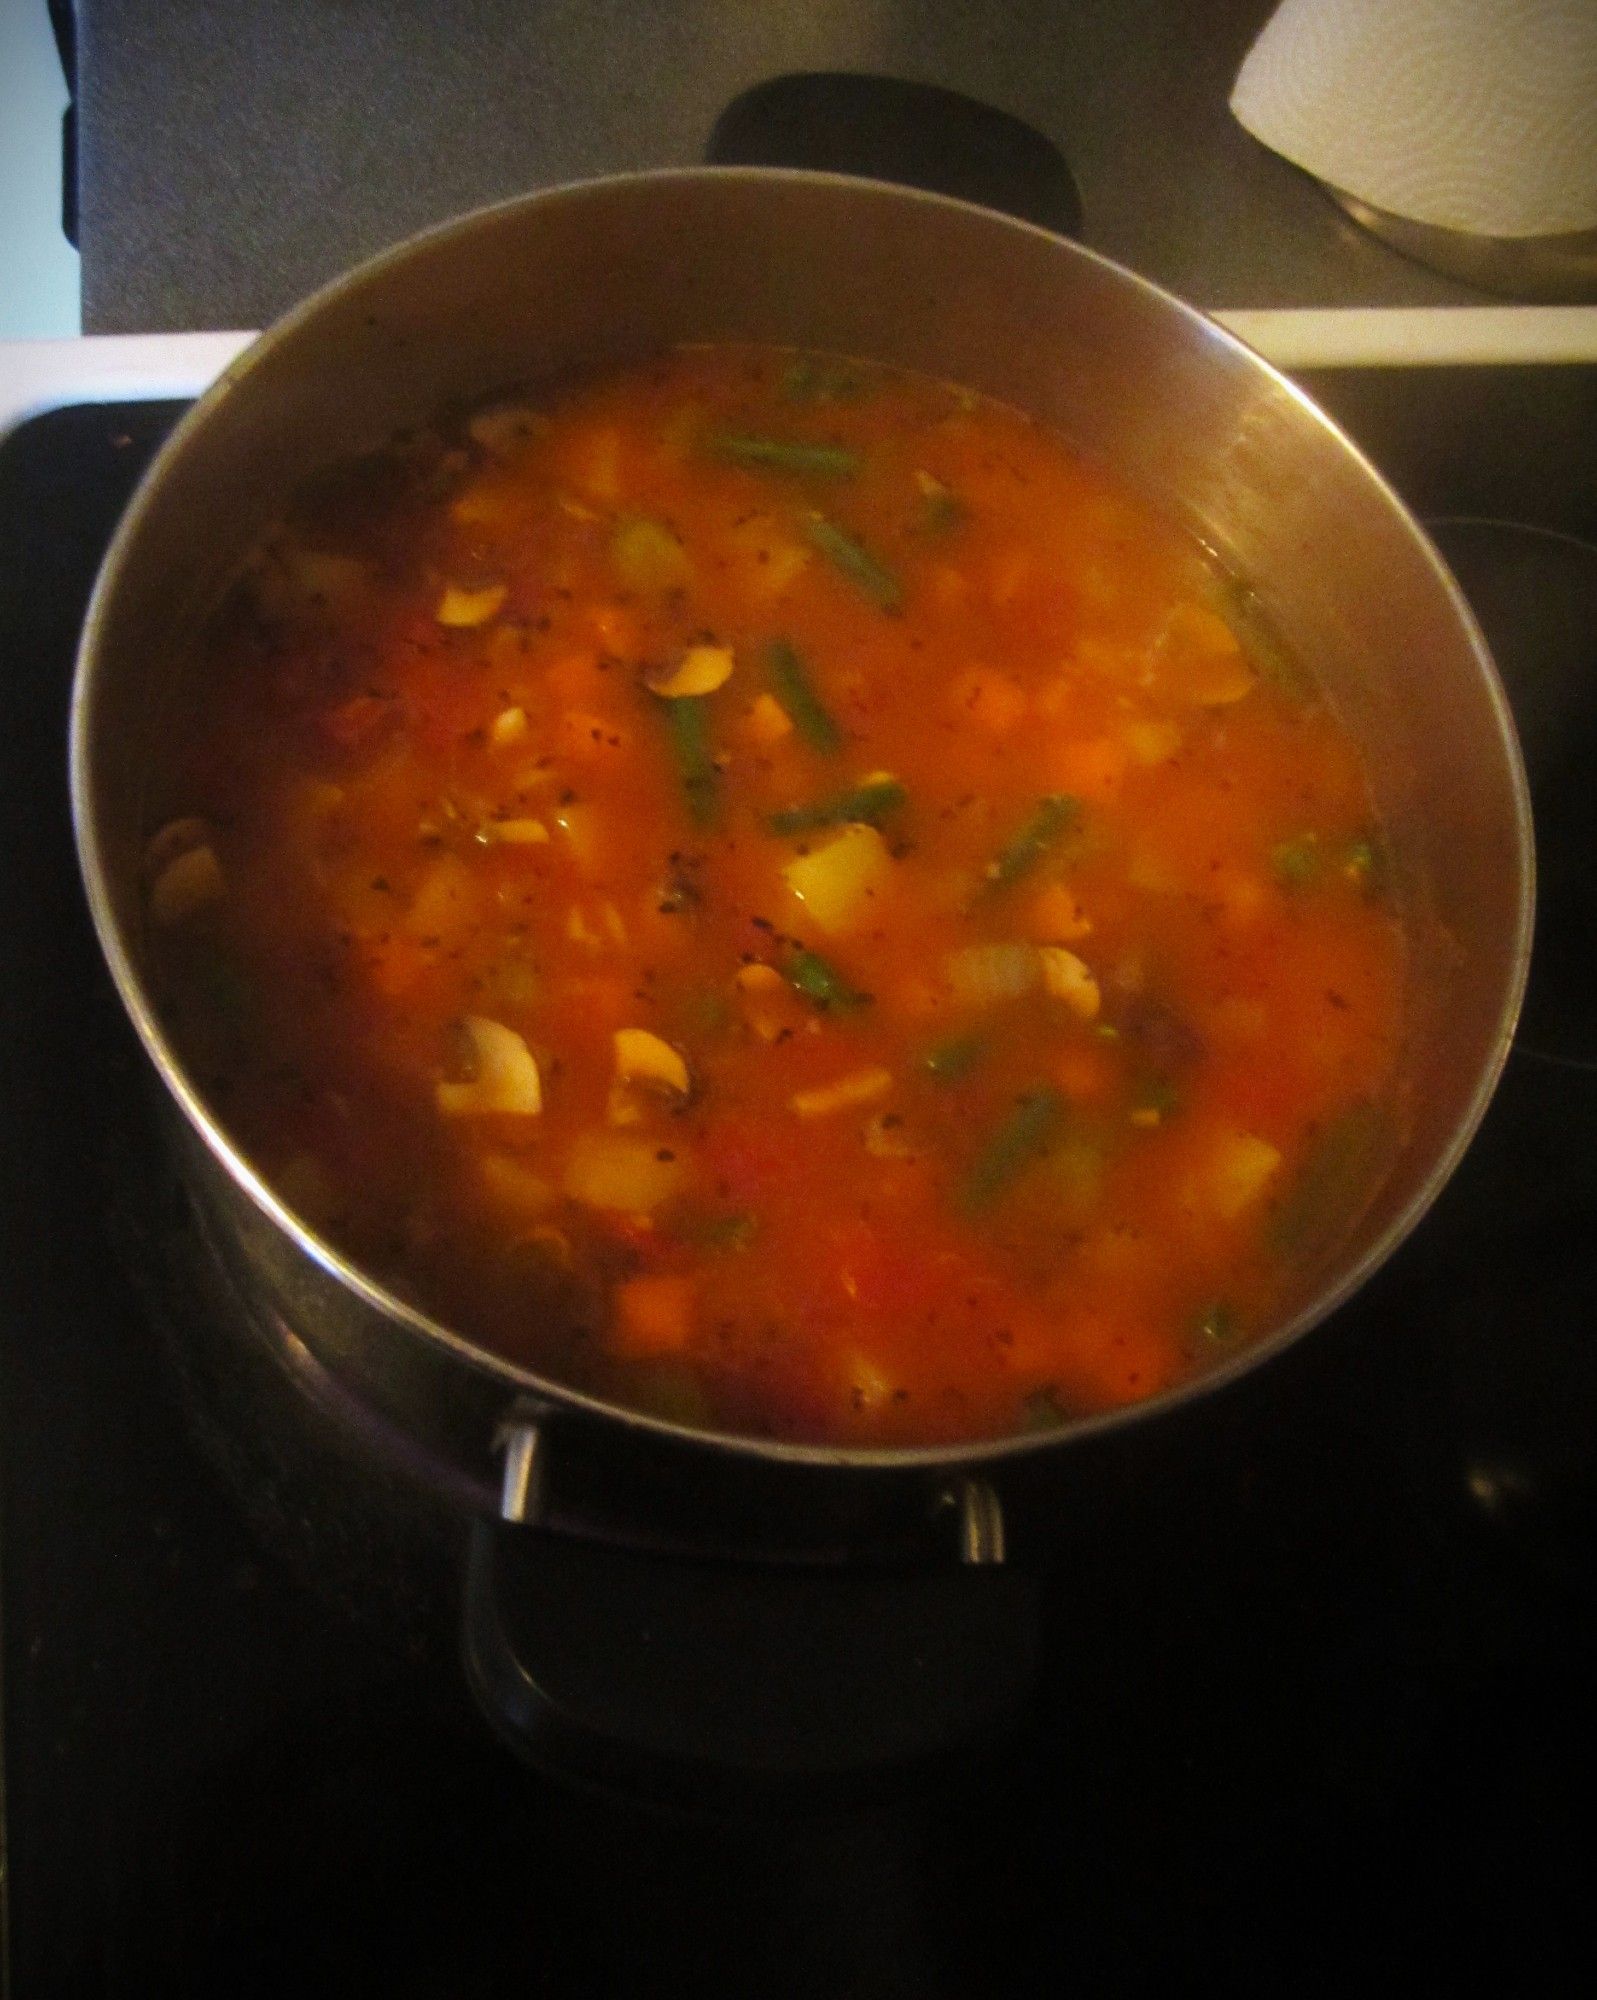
(1317, 1664)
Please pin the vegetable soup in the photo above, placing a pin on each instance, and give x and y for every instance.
(766, 888)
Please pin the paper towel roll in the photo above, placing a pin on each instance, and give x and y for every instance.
(1471, 115)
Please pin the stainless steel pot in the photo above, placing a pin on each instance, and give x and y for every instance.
(611, 269)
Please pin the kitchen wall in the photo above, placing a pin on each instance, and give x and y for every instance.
(38, 267)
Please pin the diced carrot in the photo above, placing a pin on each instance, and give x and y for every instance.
(1092, 767)
(991, 701)
(654, 1316)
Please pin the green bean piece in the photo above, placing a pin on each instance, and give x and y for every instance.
(1219, 1324)
(1055, 815)
(854, 561)
(818, 980)
(1264, 649)
(791, 679)
(735, 1232)
(807, 461)
(1297, 864)
(954, 1059)
(1043, 1411)
(865, 805)
(1158, 1095)
(687, 720)
(941, 509)
(1366, 863)
(1036, 1118)
(1334, 1182)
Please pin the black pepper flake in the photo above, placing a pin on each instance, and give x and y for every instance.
(665, 1155)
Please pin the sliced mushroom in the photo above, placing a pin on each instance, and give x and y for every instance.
(505, 1076)
(701, 670)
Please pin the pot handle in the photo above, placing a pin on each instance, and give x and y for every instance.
(703, 1684)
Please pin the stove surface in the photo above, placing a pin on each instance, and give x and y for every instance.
(1318, 1660)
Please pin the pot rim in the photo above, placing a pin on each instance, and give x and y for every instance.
(523, 1383)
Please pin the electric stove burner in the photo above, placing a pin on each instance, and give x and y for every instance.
(1324, 1644)
(1535, 594)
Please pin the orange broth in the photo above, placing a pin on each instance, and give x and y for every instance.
(768, 889)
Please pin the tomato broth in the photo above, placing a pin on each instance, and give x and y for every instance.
(765, 887)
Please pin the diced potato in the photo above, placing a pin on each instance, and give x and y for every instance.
(1069, 978)
(447, 899)
(1241, 1168)
(612, 1170)
(1152, 742)
(465, 608)
(508, 726)
(513, 1186)
(1201, 659)
(647, 556)
(187, 885)
(514, 832)
(1054, 915)
(701, 670)
(835, 882)
(506, 1081)
(772, 561)
(767, 722)
(861, 1086)
(869, 1387)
